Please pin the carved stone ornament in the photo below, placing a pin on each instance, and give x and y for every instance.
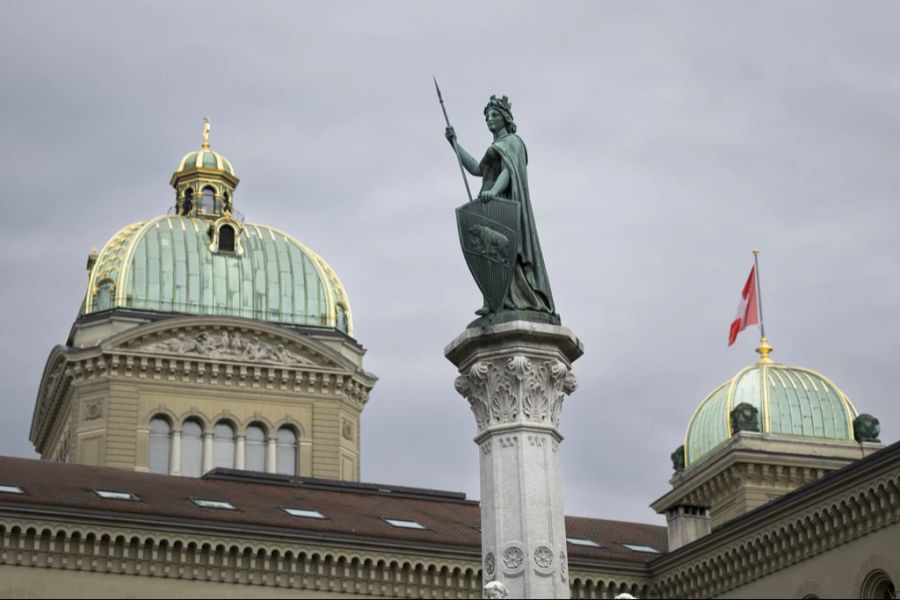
(516, 389)
(93, 411)
(543, 557)
(513, 557)
(744, 417)
(563, 568)
(490, 563)
(678, 459)
(495, 589)
(347, 430)
(233, 345)
(866, 428)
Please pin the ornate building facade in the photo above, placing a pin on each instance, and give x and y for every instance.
(204, 341)
(199, 435)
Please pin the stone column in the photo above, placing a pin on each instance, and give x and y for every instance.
(515, 376)
(271, 454)
(207, 451)
(239, 451)
(175, 453)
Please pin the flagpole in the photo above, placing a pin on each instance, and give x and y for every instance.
(764, 347)
(762, 326)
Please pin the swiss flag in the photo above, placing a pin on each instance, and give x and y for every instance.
(747, 311)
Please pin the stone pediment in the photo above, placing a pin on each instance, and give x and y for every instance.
(235, 344)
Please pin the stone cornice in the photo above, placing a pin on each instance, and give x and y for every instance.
(188, 550)
(862, 498)
(750, 455)
(315, 369)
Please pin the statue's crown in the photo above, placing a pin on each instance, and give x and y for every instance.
(502, 101)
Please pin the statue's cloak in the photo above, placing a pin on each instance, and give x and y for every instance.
(514, 155)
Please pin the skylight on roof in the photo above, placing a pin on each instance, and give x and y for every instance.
(111, 495)
(10, 489)
(221, 504)
(640, 548)
(404, 523)
(303, 512)
(583, 542)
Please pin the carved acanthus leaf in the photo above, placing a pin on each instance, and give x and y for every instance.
(517, 388)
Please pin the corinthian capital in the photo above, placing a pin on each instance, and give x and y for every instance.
(516, 389)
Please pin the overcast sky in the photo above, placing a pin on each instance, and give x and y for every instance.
(666, 141)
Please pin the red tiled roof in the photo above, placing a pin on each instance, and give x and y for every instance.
(352, 510)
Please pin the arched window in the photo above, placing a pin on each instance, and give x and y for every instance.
(341, 318)
(223, 445)
(226, 238)
(160, 445)
(188, 201)
(255, 449)
(105, 296)
(286, 452)
(878, 584)
(208, 199)
(191, 449)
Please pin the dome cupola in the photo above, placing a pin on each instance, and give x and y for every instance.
(204, 181)
(770, 398)
(203, 259)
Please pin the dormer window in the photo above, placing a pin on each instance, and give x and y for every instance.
(226, 238)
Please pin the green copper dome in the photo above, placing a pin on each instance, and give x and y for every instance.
(791, 401)
(184, 264)
(204, 159)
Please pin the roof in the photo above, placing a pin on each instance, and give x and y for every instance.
(204, 159)
(790, 400)
(353, 511)
(167, 264)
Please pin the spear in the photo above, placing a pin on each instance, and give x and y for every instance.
(455, 148)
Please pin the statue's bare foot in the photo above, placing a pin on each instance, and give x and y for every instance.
(484, 310)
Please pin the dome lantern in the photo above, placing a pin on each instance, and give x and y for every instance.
(204, 181)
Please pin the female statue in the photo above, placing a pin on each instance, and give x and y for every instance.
(503, 175)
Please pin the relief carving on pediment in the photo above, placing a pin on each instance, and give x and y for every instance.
(233, 345)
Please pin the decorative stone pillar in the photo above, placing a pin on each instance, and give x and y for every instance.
(207, 451)
(515, 376)
(239, 451)
(271, 454)
(175, 453)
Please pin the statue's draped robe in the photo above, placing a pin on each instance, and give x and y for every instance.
(530, 285)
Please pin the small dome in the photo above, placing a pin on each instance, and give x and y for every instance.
(205, 159)
(171, 264)
(790, 400)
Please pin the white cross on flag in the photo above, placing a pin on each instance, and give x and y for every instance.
(747, 311)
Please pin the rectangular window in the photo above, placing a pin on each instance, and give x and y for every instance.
(640, 548)
(583, 542)
(304, 512)
(404, 523)
(220, 504)
(10, 489)
(110, 495)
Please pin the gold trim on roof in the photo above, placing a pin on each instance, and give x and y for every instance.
(109, 261)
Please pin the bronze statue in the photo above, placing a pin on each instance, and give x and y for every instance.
(512, 276)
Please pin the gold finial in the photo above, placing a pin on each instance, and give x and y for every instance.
(756, 251)
(764, 350)
(205, 142)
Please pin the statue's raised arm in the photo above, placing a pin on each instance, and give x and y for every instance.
(497, 232)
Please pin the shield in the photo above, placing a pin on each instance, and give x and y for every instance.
(489, 234)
